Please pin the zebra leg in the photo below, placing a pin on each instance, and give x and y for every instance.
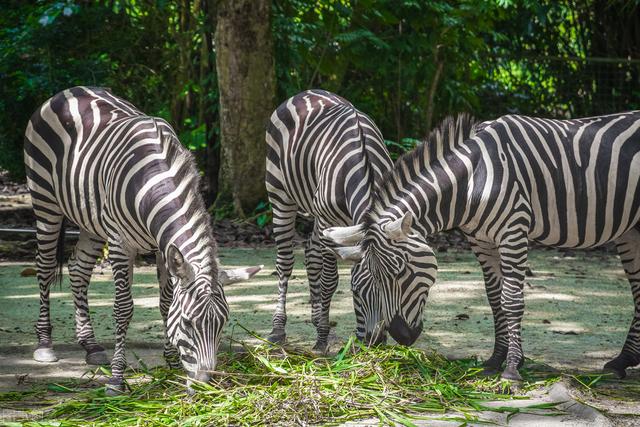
(628, 246)
(313, 264)
(48, 231)
(513, 257)
(85, 255)
(171, 355)
(329, 283)
(284, 217)
(489, 259)
(122, 265)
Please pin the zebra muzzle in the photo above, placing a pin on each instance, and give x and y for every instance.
(376, 337)
(400, 330)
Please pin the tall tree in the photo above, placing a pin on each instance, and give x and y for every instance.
(246, 81)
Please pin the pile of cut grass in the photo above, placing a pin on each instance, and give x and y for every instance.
(275, 385)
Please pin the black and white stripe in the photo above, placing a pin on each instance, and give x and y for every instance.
(562, 183)
(124, 178)
(323, 159)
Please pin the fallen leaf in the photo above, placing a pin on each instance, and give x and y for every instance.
(29, 271)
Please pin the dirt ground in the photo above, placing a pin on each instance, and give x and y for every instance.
(578, 309)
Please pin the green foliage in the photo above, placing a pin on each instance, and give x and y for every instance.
(396, 149)
(49, 46)
(383, 56)
(262, 214)
(405, 63)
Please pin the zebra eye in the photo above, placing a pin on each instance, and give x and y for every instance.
(187, 323)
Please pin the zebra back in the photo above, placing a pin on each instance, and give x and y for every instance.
(326, 155)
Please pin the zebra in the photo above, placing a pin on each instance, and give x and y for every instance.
(323, 159)
(123, 178)
(561, 183)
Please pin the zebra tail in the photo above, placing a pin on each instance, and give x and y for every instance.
(60, 253)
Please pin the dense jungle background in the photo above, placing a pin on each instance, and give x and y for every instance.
(216, 69)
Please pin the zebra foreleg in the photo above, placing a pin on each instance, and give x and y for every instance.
(329, 283)
(628, 246)
(171, 355)
(81, 266)
(513, 257)
(489, 259)
(47, 234)
(122, 265)
(283, 231)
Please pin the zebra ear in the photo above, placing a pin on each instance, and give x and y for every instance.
(228, 277)
(178, 266)
(345, 235)
(400, 228)
(349, 253)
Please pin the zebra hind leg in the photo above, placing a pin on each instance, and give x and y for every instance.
(283, 231)
(85, 255)
(49, 231)
(628, 246)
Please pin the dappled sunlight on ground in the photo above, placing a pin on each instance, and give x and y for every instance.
(577, 310)
(552, 296)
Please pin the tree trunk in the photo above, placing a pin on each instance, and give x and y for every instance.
(246, 81)
(206, 105)
(180, 101)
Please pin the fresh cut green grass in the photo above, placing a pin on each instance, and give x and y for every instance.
(272, 385)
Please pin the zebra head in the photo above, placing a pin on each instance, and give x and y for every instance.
(197, 314)
(402, 267)
(366, 303)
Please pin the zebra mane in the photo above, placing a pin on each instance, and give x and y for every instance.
(448, 134)
(363, 146)
(183, 160)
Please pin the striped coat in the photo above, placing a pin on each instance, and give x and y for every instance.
(123, 178)
(323, 159)
(562, 183)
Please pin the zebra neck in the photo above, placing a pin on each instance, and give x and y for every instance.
(436, 194)
(195, 242)
(440, 182)
(174, 215)
(359, 196)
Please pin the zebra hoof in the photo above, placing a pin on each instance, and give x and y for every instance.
(618, 366)
(113, 388)
(619, 372)
(277, 337)
(321, 348)
(511, 373)
(98, 358)
(45, 355)
(490, 371)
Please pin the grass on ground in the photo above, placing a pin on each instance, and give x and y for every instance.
(276, 385)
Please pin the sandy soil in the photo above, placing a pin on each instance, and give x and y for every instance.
(578, 309)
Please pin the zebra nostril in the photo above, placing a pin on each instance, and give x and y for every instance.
(375, 339)
(202, 376)
(400, 330)
(376, 335)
